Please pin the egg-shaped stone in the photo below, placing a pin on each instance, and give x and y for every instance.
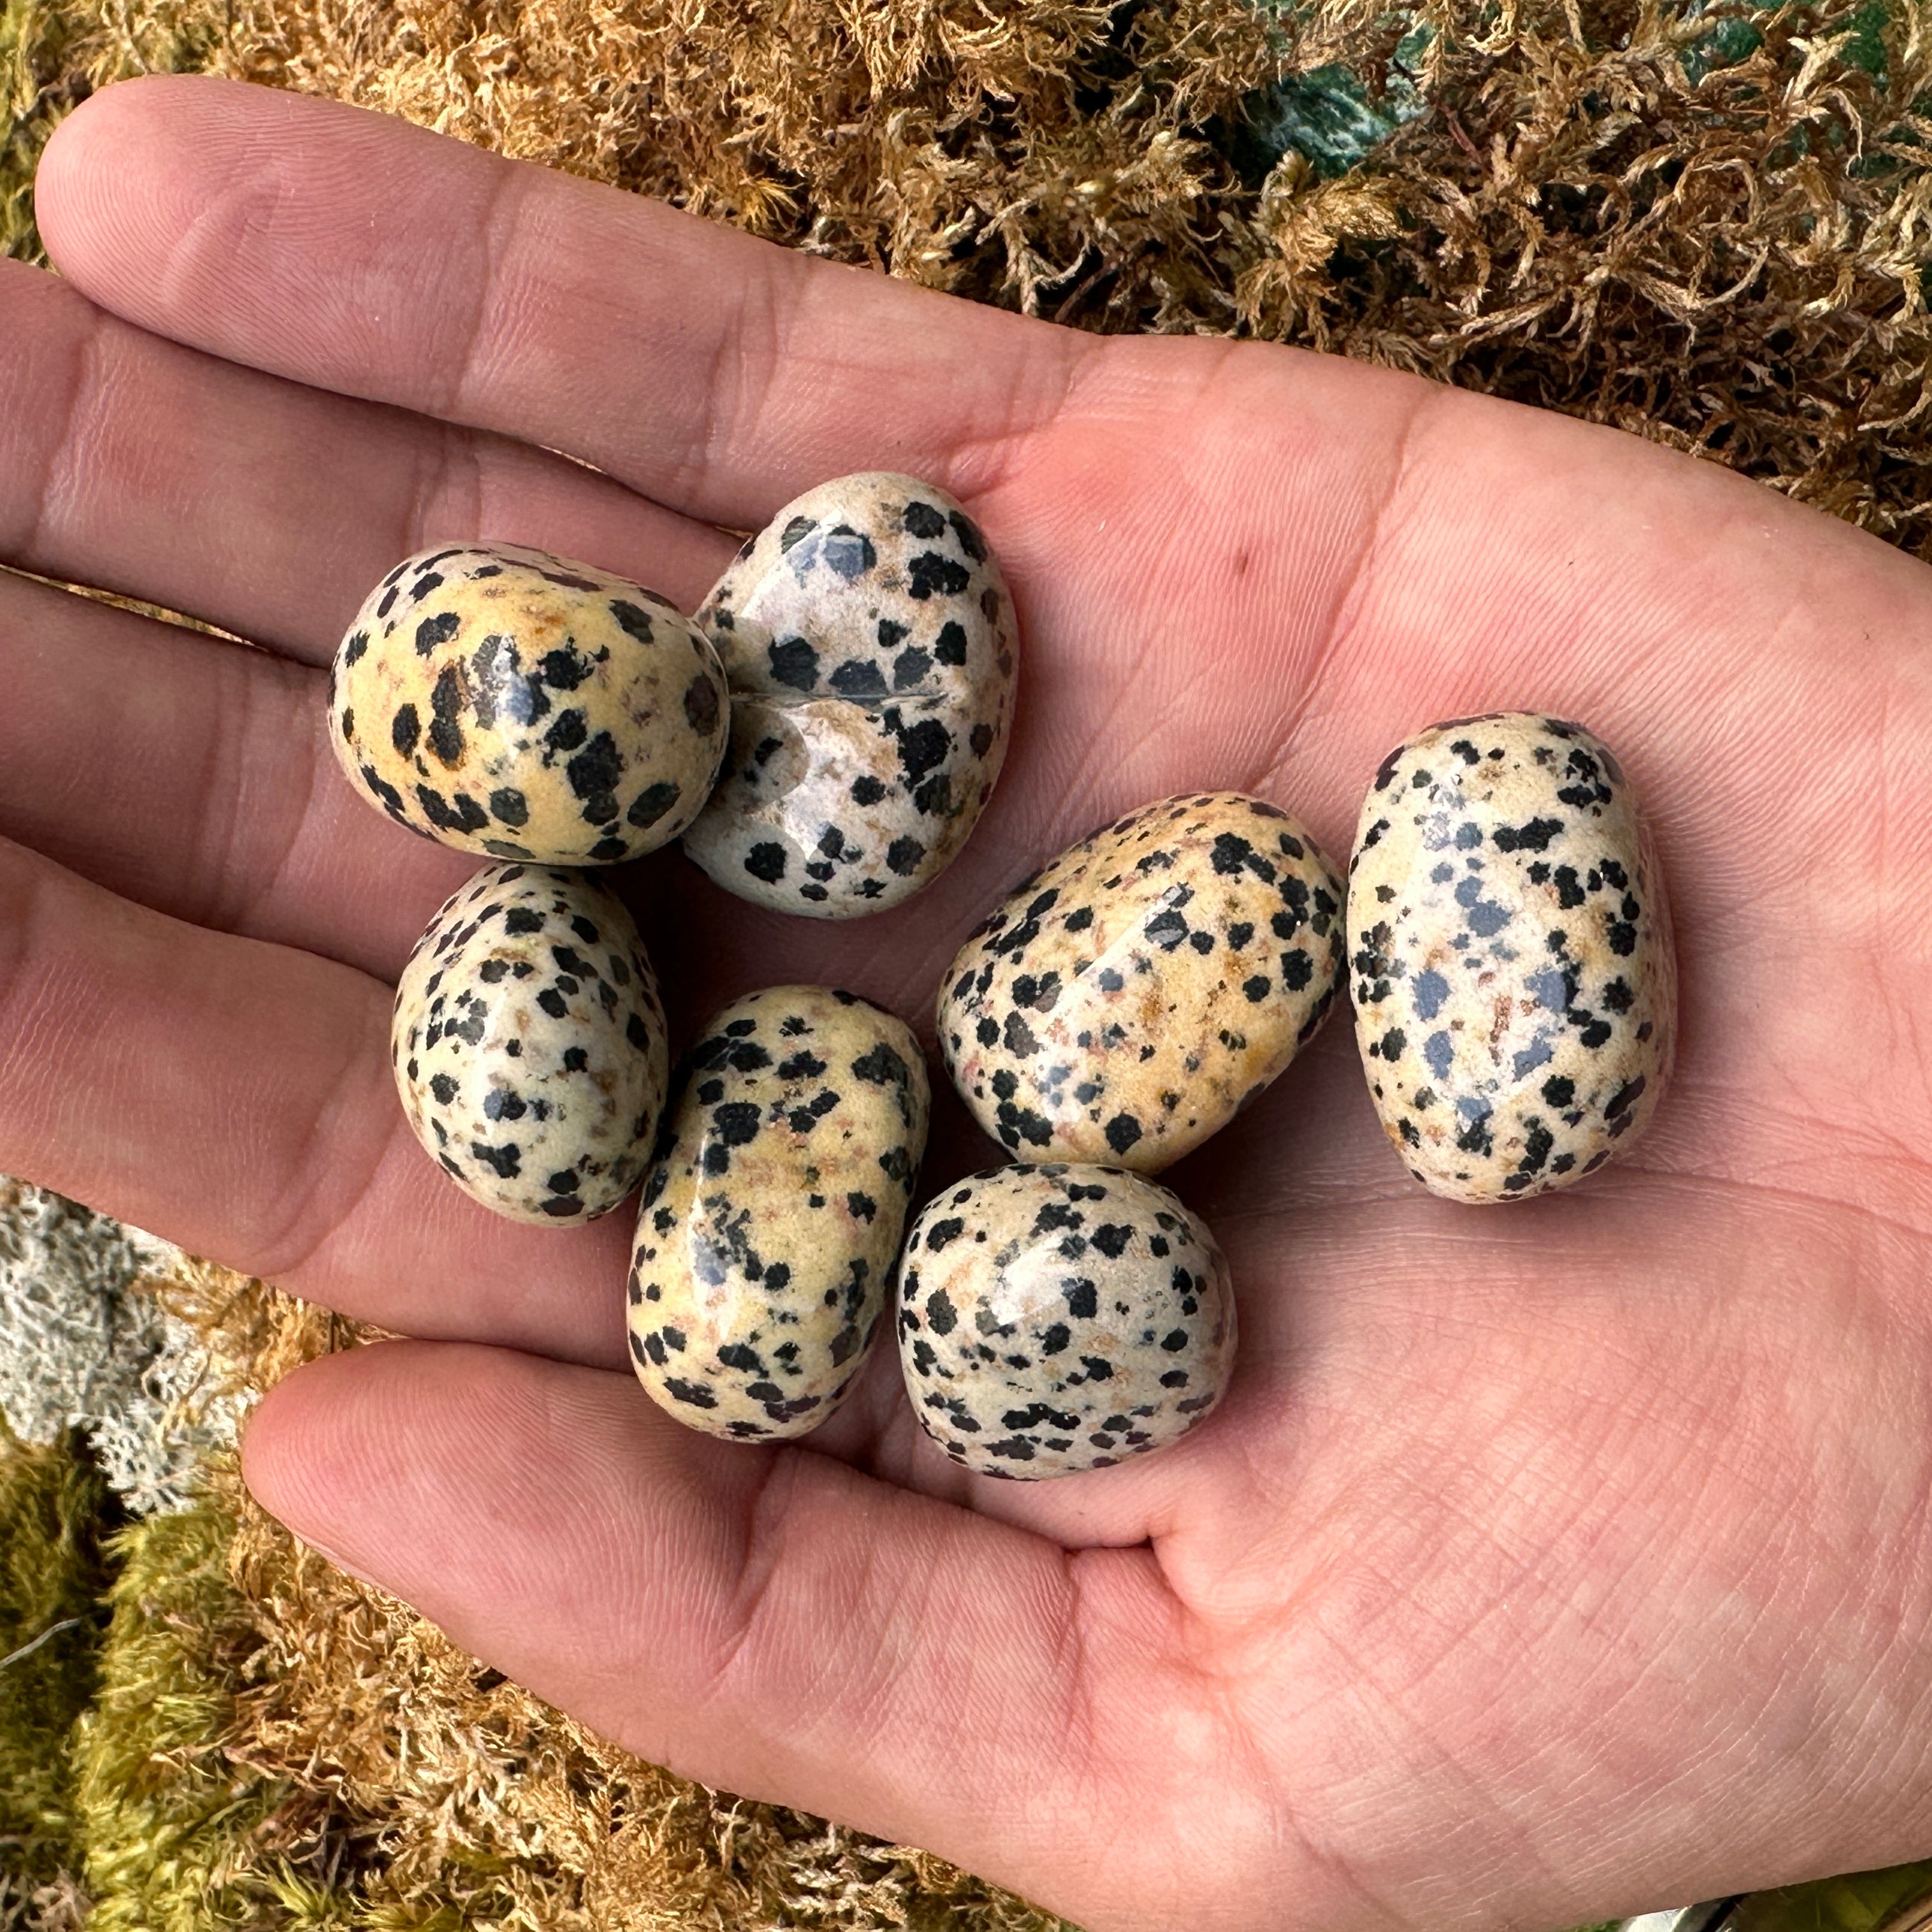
(529, 1044)
(1515, 986)
(868, 640)
(505, 701)
(1061, 1317)
(1128, 999)
(769, 1230)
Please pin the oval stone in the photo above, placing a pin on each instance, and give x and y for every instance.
(1061, 1317)
(869, 642)
(529, 1044)
(1515, 987)
(505, 701)
(1129, 999)
(769, 1229)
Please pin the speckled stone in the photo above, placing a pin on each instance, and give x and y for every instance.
(1061, 1317)
(506, 702)
(869, 642)
(769, 1230)
(529, 1044)
(1515, 988)
(1129, 999)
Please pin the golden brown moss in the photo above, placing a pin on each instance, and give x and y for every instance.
(1702, 223)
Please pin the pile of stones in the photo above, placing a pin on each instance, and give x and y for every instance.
(823, 735)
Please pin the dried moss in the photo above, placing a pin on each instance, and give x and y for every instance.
(52, 1576)
(1704, 223)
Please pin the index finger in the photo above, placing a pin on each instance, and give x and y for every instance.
(356, 252)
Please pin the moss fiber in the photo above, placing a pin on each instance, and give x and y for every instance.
(51, 1577)
(1704, 220)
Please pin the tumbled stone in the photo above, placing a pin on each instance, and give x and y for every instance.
(529, 1044)
(869, 642)
(1061, 1317)
(1515, 987)
(504, 701)
(770, 1228)
(1129, 999)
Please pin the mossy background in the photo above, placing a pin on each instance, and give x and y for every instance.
(1705, 221)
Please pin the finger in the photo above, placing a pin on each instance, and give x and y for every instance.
(130, 463)
(713, 373)
(236, 1097)
(771, 1622)
(194, 776)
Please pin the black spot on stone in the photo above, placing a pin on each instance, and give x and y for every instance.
(635, 1032)
(523, 918)
(967, 531)
(882, 1067)
(700, 704)
(932, 571)
(735, 1123)
(1122, 1131)
(509, 806)
(793, 662)
(867, 790)
(651, 804)
(631, 620)
(1533, 837)
(505, 1162)
(923, 745)
(1624, 1097)
(437, 630)
(858, 677)
(1257, 988)
(1082, 1301)
(564, 669)
(1019, 1037)
(552, 1002)
(909, 666)
(767, 861)
(445, 704)
(950, 647)
(593, 774)
(404, 729)
(924, 521)
(798, 528)
(847, 553)
(903, 855)
(567, 733)
(444, 1088)
(352, 651)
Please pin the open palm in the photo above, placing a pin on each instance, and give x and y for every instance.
(1542, 1561)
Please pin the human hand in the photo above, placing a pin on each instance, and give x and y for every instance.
(1542, 1562)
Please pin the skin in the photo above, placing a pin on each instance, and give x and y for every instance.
(1543, 1562)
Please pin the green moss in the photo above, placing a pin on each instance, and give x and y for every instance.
(168, 1821)
(52, 1579)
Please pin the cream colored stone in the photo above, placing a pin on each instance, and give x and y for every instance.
(1128, 1001)
(1515, 987)
(769, 1230)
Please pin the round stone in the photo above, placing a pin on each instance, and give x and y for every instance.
(769, 1229)
(529, 1044)
(868, 640)
(1515, 986)
(1128, 1000)
(1061, 1317)
(506, 702)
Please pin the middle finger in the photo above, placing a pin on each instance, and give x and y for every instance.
(131, 464)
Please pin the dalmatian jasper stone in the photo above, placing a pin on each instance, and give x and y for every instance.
(504, 701)
(1061, 1317)
(868, 640)
(769, 1231)
(1515, 989)
(1128, 1001)
(529, 1044)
